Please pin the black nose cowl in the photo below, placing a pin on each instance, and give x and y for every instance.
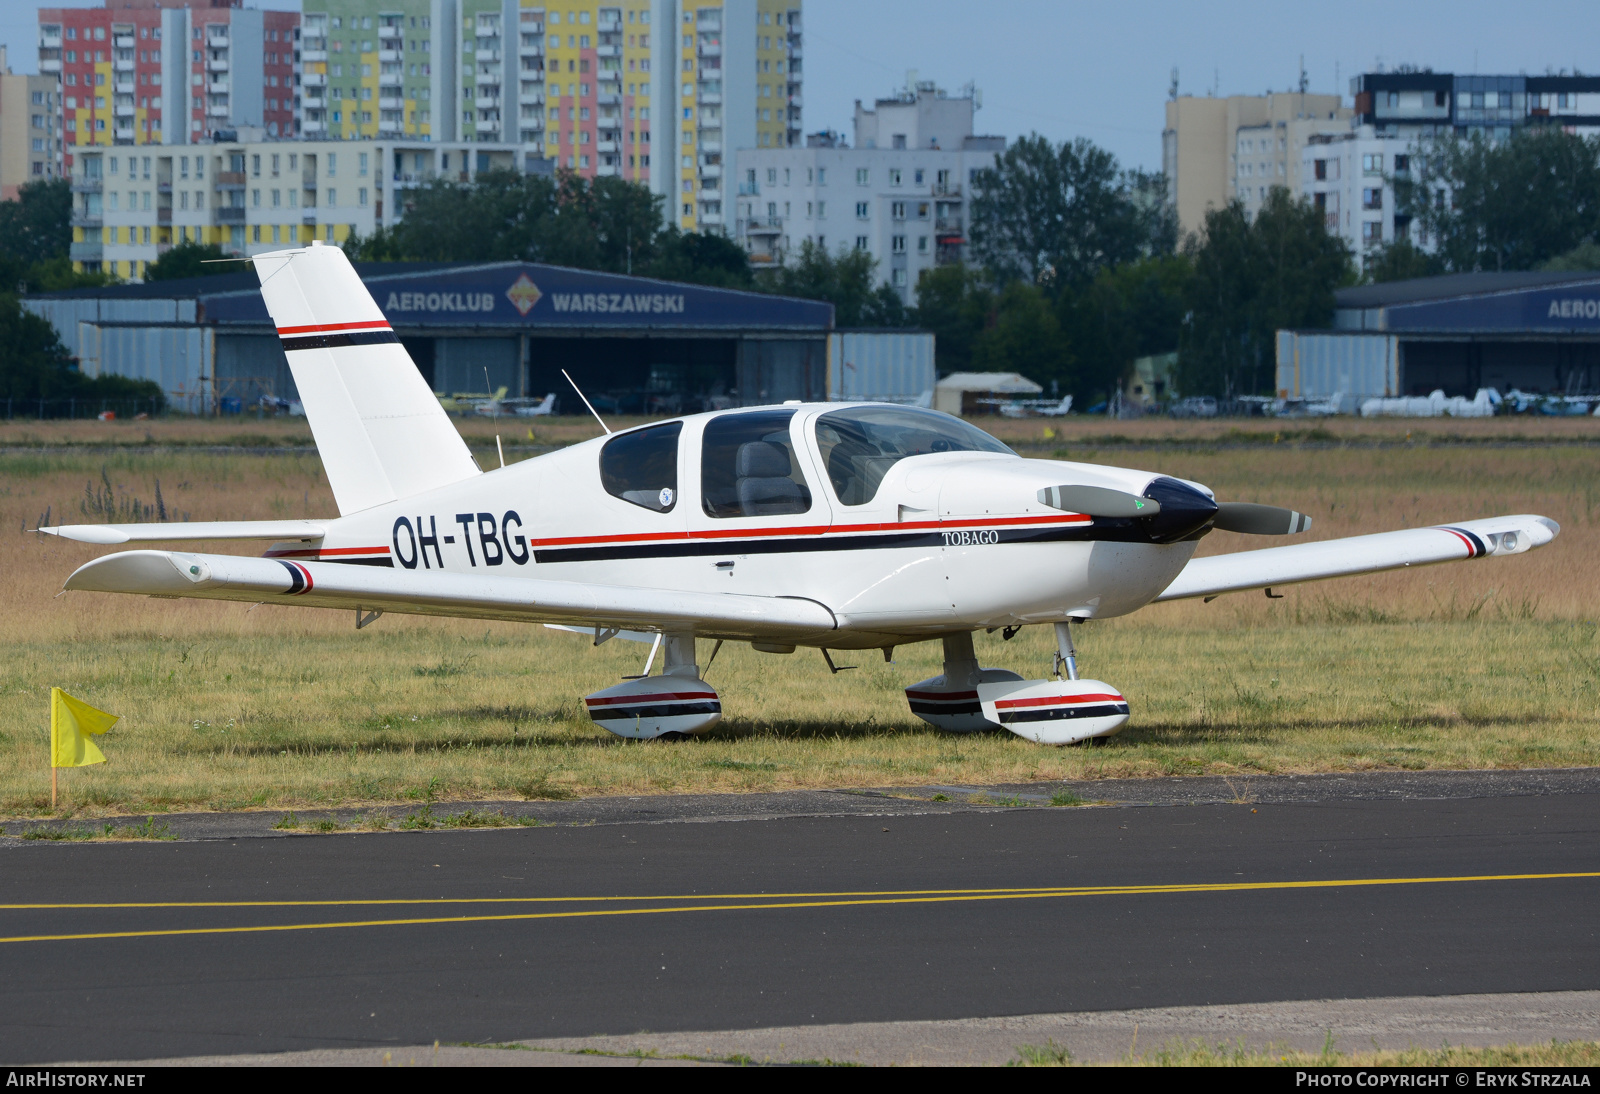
(1185, 512)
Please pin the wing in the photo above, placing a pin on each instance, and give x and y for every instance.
(473, 596)
(1275, 566)
(189, 530)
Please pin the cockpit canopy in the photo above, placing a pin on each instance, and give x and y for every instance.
(860, 444)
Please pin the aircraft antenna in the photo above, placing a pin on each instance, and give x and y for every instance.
(587, 403)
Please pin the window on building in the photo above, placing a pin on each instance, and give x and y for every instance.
(863, 176)
(1372, 198)
(897, 244)
(863, 210)
(897, 210)
(894, 176)
(1372, 231)
(862, 243)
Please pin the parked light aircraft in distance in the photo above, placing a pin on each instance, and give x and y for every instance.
(837, 526)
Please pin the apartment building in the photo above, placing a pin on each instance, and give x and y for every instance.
(902, 194)
(130, 205)
(30, 138)
(1410, 104)
(1214, 150)
(574, 79)
(1350, 176)
(140, 72)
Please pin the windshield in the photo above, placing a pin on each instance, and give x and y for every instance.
(859, 445)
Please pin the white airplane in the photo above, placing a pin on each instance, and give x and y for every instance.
(837, 526)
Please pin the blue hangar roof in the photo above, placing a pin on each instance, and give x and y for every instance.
(1530, 303)
(523, 297)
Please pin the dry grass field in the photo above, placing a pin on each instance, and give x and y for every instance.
(1490, 664)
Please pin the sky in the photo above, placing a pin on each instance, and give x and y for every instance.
(1101, 70)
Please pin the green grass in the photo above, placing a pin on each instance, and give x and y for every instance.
(1205, 1054)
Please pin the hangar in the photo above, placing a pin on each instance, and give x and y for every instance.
(635, 344)
(1537, 331)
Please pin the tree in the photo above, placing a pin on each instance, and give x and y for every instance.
(35, 234)
(189, 259)
(35, 365)
(1026, 337)
(1401, 261)
(1065, 212)
(1581, 259)
(956, 303)
(1505, 204)
(1252, 278)
(843, 279)
(700, 258)
(1128, 311)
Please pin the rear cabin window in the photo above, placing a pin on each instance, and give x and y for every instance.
(642, 466)
(859, 445)
(748, 468)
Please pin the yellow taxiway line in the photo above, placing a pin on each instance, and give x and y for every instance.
(745, 902)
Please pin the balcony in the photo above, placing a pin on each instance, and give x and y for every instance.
(219, 87)
(608, 51)
(229, 180)
(52, 65)
(526, 50)
(217, 64)
(390, 55)
(86, 220)
(606, 146)
(314, 79)
(531, 98)
(487, 56)
(763, 226)
(122, 65)
(308, 216)
(749, 189)
(794, 51)
(391, 79)
(83, 185)
(390, 32)
(531, 28)
(608, 98)
(164, 215)
(217, 110)
(709, 98)
(795, 101)
(487, 102)
(711, 147)
(312, 125)
(711, 170)
(124, 87)
(388, 103)
(312, 56)
(710, 218)
(608, 170)
(86, 252)
(610, 26)
(710, 49)
(228, 214)
(123, 110)
(947, 226)
(123, 41)
(49, 41)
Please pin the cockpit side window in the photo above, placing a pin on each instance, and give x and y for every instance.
(641, 466)
(748, 466)
(859, 445)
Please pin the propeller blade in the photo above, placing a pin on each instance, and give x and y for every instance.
(1097, 501)
(1259, 520)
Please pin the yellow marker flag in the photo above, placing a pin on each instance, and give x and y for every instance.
(72, 723)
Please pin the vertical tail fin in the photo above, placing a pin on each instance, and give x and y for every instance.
(381, 432)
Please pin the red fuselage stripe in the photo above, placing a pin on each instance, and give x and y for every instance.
(1471, 550)
(813, 530)
(323, 328)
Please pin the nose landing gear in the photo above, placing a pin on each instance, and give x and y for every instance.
(1061, 711)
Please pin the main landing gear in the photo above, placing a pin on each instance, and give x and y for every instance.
(675, 704)
(1061, 711)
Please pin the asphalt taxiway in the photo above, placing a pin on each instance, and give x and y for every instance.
(883, 910)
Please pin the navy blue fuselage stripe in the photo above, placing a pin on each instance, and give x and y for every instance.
(798, 544)
(615, 713)
(1056, 714)
(334, 341)
(965, 707)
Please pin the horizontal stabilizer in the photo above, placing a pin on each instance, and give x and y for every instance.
(1276, 566)
(189, 530)
(474, 596)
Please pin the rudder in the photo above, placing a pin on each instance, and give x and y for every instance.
(380, 431)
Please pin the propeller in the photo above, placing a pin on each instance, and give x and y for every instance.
(1259, 520)
(1098, 501)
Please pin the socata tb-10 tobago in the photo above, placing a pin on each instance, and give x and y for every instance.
(841, 526)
